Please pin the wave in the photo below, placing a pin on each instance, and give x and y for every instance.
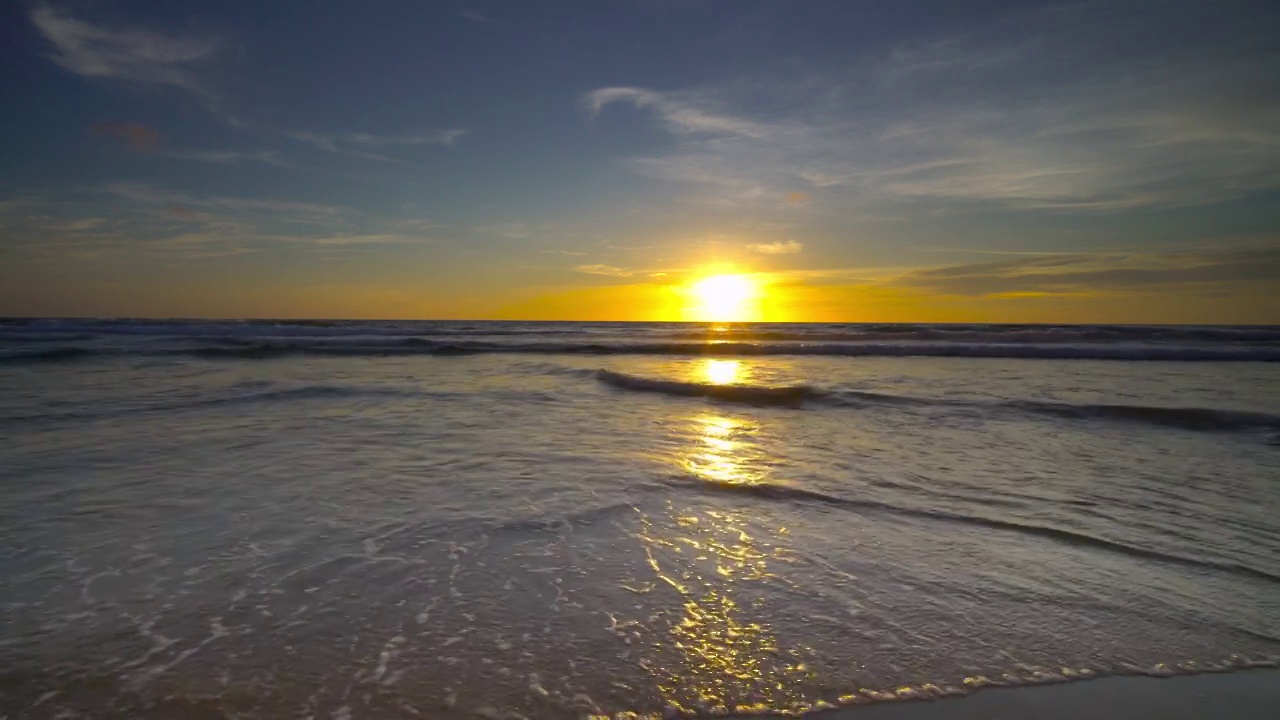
(988, 335)
(304, 392)
(1187, 418)
(56, 354)
(12, 329)
(787, 493)
(423, 346)
(239, 349)
(235, 396)
(752, 394)
(37, 337)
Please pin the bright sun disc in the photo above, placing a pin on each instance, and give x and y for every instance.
(725, 298)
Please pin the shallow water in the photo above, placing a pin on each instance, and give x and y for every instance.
(302, 532)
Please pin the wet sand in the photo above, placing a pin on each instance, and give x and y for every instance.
(1244, 694)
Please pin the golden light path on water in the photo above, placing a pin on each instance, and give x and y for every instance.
(722, 579)
(723, 372)
(712, 649)
(719, 655)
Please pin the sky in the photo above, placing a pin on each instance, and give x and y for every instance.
(982, 161)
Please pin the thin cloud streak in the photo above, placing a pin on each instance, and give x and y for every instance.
(296, 212)
(1104, 272)
(788, 247)
(435, 137)
(273, 158)
(134, 136)
(341, 144)
(686, 115)
(142, 222)
(609, 270)
(140, 57)
(1172, 126)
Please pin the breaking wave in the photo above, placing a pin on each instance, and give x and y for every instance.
(1187, 418)
(752, 394)
(56, 354)
(788, 493)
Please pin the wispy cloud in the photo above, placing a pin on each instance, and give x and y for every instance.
(134, 222)
(132, 135)
(273, 158)
(781, 247)
(279, 210)
(417, 225)
(350, 143)
(141, 57)
(609, 270)
(349, 239)
(686, 113)
(435, 137)
(510, 231)
(476, 16)
(1104, 272)
(217, 157)
(1026, 114)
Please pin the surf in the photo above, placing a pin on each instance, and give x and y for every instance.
(751, 394)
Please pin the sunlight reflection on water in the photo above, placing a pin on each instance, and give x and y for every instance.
(723, 372)
(718, 654)
(724, 452)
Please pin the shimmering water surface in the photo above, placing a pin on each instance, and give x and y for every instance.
(355, 520)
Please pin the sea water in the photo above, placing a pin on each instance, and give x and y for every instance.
(545, 520)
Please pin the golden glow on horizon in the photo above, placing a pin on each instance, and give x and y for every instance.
(725, 298)
(779, 297)
(722, 372)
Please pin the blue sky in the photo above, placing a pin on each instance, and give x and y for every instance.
(988, 161)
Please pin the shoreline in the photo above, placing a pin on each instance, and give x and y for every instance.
(1243, 693)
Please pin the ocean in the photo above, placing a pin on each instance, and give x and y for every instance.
(266, 519)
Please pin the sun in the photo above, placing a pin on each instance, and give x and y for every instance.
(725, 298)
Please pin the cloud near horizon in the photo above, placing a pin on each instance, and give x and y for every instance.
(609, 270)
(781, 247)
(1190, 270)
